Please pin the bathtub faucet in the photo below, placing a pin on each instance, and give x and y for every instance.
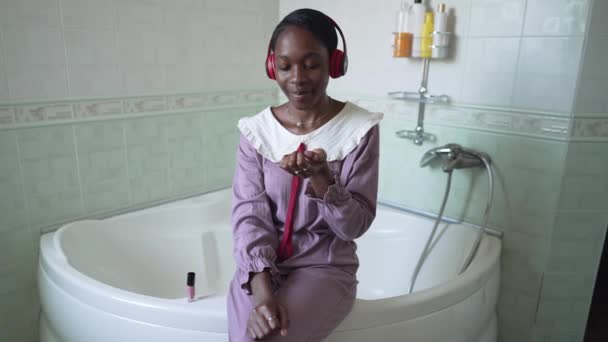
(455, 156)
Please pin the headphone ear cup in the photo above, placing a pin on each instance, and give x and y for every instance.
(270, 66)
(337, 64)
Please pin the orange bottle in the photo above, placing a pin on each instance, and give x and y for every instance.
(403, 40)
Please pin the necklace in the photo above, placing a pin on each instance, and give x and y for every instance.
(301, 124)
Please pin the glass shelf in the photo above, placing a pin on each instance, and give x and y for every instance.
(418, 97)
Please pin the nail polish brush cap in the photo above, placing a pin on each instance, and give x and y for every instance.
(190, 281)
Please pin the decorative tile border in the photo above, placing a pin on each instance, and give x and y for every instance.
(590, 129)
(542, 125)
(585, 128)
(145, 104)
(13, 115)
(502, 121)
(36, 113)
(186, 101)
(7, 116)
(88, 109)
(507, 122)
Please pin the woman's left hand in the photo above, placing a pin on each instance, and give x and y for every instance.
(307, 164)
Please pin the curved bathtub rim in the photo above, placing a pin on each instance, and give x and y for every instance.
(180, 314)
(385, 311)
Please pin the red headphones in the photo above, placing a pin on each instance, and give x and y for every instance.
(338, 61)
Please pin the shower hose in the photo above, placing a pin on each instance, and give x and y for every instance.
(427, 247)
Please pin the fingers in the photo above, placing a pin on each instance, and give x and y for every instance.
(257, 326)
(262, 322)
(255, 332)
(311, 155)
(269, 316)
(321, 154)
(318, 162)
(287, 162)
(305, 164)
(300, 160)
(284, 318)
(317, 155)
(296, 163)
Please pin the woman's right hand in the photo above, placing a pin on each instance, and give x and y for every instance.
(268, 314)
(267, 317)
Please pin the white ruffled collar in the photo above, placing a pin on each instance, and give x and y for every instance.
(338, 137)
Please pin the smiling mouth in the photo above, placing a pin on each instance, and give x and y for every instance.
(301, 93)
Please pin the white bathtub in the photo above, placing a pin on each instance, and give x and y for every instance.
(123, 279)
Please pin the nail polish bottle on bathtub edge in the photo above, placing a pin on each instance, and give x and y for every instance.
(190, 286)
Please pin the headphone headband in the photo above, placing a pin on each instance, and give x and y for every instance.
(338, 60)
(339, 31)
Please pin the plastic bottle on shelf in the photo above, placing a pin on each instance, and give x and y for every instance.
(403, 38)
(427, 36)
(416, 23)
(440, 36)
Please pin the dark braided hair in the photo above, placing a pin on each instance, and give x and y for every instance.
(313, 21)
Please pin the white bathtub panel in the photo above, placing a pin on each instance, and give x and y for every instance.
(128, 273)
(450, 247)
(386, 263)
(139, 259)
(63, 310)
(470, 320)
(467, 321)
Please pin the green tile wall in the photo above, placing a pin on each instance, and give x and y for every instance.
(528, 177)
(12, 209)
(58, 173)
(18, 250)
(222, 147)
(102, 164)
(549, 207)
(522, 184)
(148, 158)
(576, 244)
(50, 173)
(187, 155)
(551, 201)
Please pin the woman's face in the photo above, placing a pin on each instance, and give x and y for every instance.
(302, 68)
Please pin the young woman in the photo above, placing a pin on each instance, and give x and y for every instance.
(296, 260)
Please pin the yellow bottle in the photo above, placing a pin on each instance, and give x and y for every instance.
(427, 36)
